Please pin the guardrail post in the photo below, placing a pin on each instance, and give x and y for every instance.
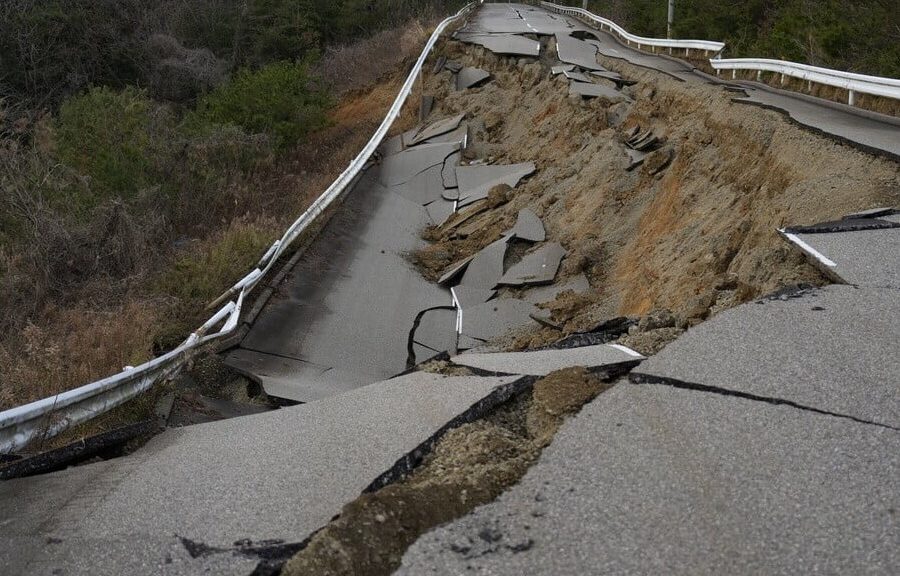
(851, 97)
(759, 75)
(733, 74)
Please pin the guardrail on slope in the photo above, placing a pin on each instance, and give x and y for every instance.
(639, 41)
(852, 82)
(50, 416)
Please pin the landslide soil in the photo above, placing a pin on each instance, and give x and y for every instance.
(693, 231)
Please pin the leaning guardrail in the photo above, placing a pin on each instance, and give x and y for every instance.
(50, 416)
(852, 82)
(639, 41)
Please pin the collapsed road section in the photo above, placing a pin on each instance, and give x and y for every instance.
(573, 223)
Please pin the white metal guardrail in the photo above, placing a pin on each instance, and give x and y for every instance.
(639, 41)
(853, 83)
(50, 416)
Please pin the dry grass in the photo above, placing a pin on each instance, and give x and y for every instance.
(361, 64)
(67, 347)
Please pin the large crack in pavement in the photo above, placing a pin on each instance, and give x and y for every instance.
(636, 378)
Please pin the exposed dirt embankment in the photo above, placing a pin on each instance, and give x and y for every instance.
(697, 234)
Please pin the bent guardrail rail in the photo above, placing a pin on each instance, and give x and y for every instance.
(850, 81)
(48, 417)
(640, 41)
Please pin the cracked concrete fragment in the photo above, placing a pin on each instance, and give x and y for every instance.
(863, 257)
(486, 268)
(538, 267)
(528, 227)
(439, 211)
(448, 174)
(435, 129)
(424, 188)
(872, 213)
(542, 294)
(404, 166)
(832, 349)
(475, 182)
(635, 158)
(504, 44)
(497, 318)
(543, 362)
(632, 471)
(455, 270)
(436, 330)
(578, 76)
(471, 77)
(571, 50)
(586, 90)
(467, 296)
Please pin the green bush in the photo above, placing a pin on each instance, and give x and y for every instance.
(282, 100)
(202, 273)
(117, 139)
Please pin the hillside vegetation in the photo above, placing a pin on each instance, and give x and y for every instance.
(150, 152)
(859, 36)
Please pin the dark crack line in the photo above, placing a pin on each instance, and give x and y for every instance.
(285, 356)
(637, 378)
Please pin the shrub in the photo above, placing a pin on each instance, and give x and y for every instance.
(117, 139)
(282, 100)
(50, 49)
(202, 273)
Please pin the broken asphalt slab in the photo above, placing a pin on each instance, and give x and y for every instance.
(528, 227)
(504, 44)
(543, 362)
(586, 90)
(435, 129)
(860, 257)
(571, 50)
(423, 188)
(659, 480)
(298, 467)
(466, 297)
(542, 294)
(471, 78)
(436, 330)
(476, 181)
(497, 318)
(832, 350)
(486, 268)
(404, 166)
(537, 267)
